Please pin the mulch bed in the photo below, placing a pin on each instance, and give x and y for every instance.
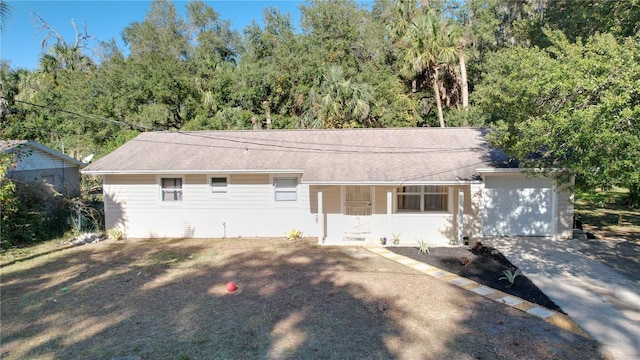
(482, 264)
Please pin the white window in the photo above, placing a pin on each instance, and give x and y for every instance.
(171, 189)
(286, 189)
(423, 198)
(218, 185)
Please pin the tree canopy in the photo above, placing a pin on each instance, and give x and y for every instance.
(568, 107)
(556, 80)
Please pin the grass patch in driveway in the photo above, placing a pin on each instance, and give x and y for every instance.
(166, 299)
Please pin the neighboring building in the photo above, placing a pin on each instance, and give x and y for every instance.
(343, 186)
(33, 162)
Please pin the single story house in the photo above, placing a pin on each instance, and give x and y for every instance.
(342, 186)
(34, 162)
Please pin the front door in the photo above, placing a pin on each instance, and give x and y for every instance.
(357, 210)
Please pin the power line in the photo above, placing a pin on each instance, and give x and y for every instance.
(276, 145)
(88, 116)
(309, 144)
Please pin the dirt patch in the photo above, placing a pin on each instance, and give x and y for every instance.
(166, 299)
(482, 264)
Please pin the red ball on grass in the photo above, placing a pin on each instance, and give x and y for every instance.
(231, 286)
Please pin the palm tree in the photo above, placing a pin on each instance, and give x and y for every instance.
(424, 47)
(4, 13)
(64, 55)
(464, 82)
(341, 102)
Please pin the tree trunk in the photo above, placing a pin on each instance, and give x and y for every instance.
(436, 90)
(464, 86)
(267, 110)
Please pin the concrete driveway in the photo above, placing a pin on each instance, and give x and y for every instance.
(596, 282)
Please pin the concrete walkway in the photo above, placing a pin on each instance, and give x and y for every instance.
(600, 300)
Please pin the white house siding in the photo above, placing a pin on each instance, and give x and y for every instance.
(132, 203)
(435, 228)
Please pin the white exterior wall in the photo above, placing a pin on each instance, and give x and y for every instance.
(473, 221)
(434, 228)
(564, 224)
(537, 207)
(132, 203)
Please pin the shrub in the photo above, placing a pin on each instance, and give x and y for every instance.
(424, 247)
(396, 238)
(116, 234)
(293, 234)
(32, 213)
(510, 276)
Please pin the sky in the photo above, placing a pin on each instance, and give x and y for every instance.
(20, 44)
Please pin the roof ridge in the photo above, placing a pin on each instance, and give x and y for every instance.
(316, 130)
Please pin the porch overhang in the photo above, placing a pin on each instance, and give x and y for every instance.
(192, 172)
(391, 183)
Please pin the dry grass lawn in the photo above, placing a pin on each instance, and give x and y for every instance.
(166, 299)
(604, 215)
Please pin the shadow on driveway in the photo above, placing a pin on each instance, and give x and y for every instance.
(588, 282)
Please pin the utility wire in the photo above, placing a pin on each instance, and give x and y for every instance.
(276, 145)
(334, 149)
(88, 116)
(309, 145)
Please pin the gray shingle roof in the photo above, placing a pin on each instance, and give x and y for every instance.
(402, 155)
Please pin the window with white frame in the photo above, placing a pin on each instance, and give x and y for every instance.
(218, 185)
(423, 198)
(171, 189)
(286, 189)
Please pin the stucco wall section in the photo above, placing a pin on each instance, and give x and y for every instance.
(565, 214)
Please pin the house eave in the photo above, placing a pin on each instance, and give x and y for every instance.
(392, 183)
(190, 172)
(502, 170)
(517, 170)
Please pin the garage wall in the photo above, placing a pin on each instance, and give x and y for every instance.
(515, 205)
(564, 223)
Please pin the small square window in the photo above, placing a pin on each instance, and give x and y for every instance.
(218, 185)
(171, 189)
(286, 189)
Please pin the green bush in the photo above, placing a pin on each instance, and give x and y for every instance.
(27, 217)
(31, 213)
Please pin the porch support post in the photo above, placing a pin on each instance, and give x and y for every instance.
(460, 215)
(320, 218)
(389, 201)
